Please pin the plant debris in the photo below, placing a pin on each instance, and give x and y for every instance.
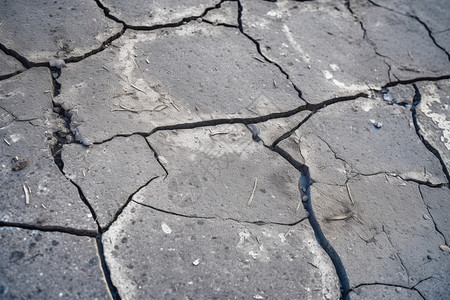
(250, 199)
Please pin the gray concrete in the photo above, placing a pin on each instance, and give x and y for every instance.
(203, 165)
(129, 173)
(49, 265)
(200, 258)
(26, 132)
(42, 31)
(157, 12)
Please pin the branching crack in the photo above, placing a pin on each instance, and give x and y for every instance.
(120, 210)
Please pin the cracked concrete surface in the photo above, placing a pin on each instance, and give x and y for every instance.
(225, 149)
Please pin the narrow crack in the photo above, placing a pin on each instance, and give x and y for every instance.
(259, 223)
(417, 79)
(6, 76)
(416, 100)
(432, 218)
(106, 272)
(430, 33)
(51, 228)
(389, 284)
(258, 48)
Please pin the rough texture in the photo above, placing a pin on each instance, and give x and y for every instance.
(157, 12)
(298, 36)
(40, 31)
(109, 173)
(26, 127)
(170, 76)
(225, 149)
(203, 166)
(204, 259)
(29, 258)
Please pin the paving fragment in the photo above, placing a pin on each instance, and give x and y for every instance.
(384, 292)
(110, 172)
(404, 40)
(27, 163)
(298, 36)
(29, 258)
(170, 76)
(387, 233)
(40, 32)
(157, 12)
(169, 256)
(433, 116)
(347, 130)
(203, 165)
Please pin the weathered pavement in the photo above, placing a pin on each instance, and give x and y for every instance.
(225, 149)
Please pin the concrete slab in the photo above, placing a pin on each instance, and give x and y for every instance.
(9, 65)
(157, 12)
(49, 265)
(203, 166)
(170, 76)
(26, 159)
(170, 256)
(40, 31)
(404, 40)
(111, 172)
(347, 129)
(389, 231)
(319, 44)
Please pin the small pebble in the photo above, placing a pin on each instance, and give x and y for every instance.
(426, 217)
(305, 198)
(398, 289)
(196, 262)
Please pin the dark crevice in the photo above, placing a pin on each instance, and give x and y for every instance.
(120, 210)
(388, 284)
(418, 79)
(51, 228)
(251, 120)
(290, 132)
(305, 193)
(432, 218)
(6, 76)
(25, 62)
(106, 272)
(416, 100)
(258, 48)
